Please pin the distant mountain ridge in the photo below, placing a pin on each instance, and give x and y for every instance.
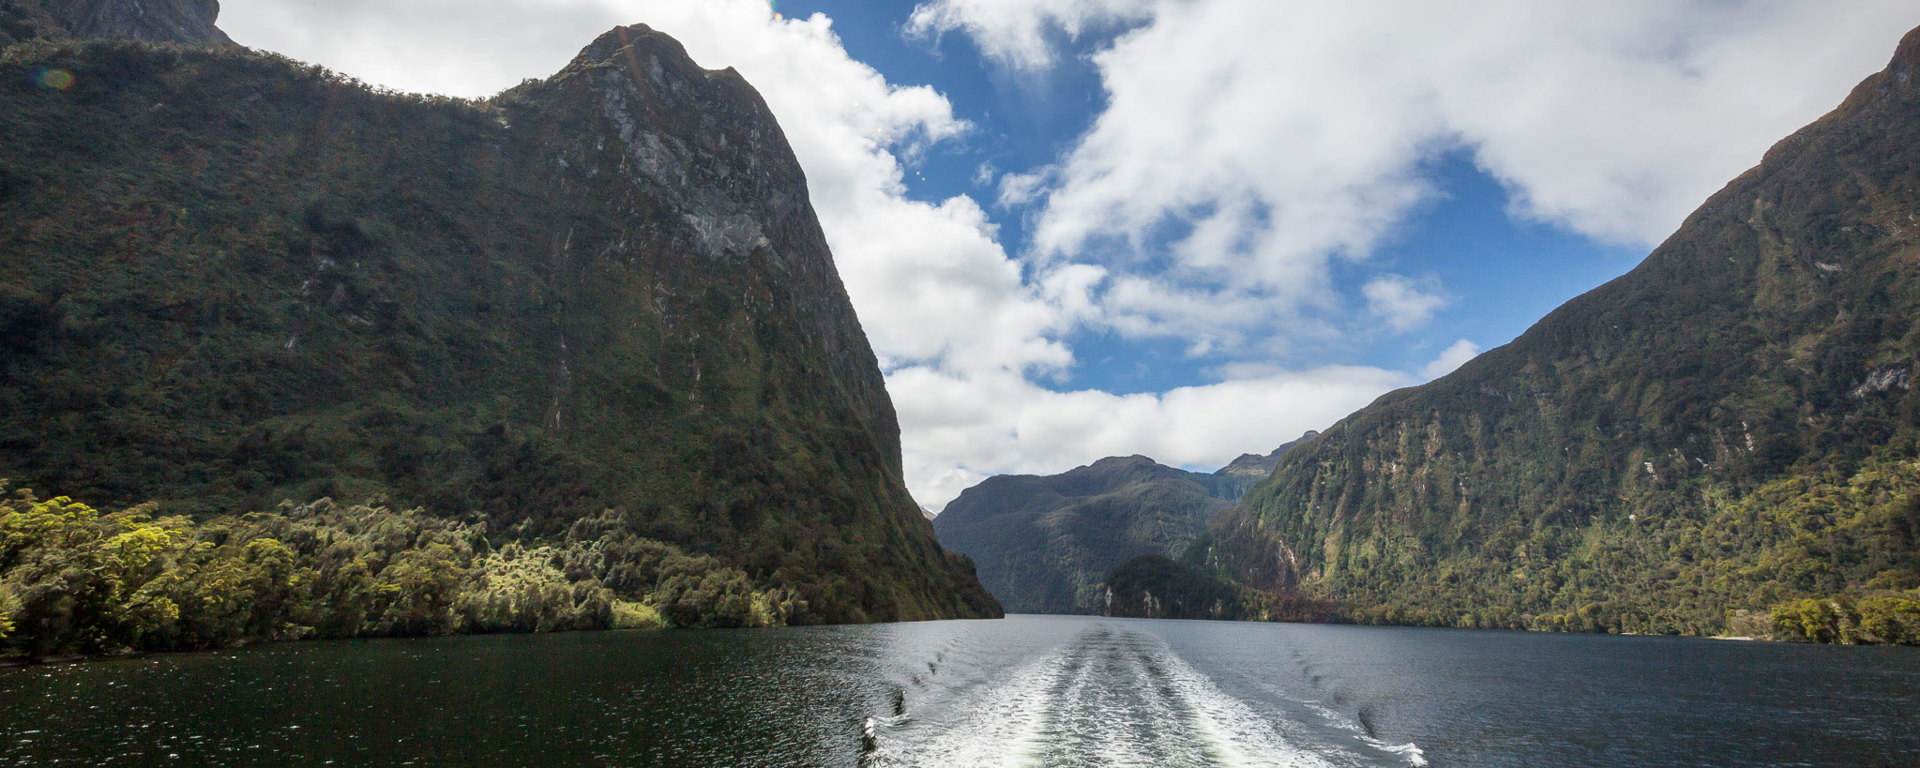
(1044, 544)
(1727, 430)
(1256, 466)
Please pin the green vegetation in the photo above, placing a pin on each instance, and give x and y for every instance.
(1877, 619)
(228, 279)
(1155, 587)
(1854, 539)
(27, 20)
(1729, 428)
(1043, 544)
(74, 580)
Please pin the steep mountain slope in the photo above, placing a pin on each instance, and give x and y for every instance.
(1043, 544)
(227, 279)
(1730, 426)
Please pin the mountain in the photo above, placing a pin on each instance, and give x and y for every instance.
(229, 279)
(183, 22)
(1253, 468)
(1043, 544)
(1731, 427)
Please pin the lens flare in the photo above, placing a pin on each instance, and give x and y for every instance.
(57, 79)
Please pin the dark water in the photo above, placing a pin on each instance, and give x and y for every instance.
(1027, 691)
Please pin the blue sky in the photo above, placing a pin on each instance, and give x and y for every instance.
(1502, 274)
(1190, 228)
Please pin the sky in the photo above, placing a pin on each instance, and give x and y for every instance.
(1190, 229)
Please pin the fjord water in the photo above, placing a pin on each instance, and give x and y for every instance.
(1027, 690)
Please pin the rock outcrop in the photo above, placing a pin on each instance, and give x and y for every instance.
(180, 22)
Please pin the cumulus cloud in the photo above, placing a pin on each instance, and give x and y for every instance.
(969, 427)
(1401, 303)
(1021, 31)
(1283, 137)
(454, 47)
(1450, 359)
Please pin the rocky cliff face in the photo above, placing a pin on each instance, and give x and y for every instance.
(701, 151)
(1728, 426)
(182, 22)
(1045, 544)
(230, 280)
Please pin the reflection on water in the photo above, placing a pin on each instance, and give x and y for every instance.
(1027, 691)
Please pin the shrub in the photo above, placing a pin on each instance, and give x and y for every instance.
(74, 580)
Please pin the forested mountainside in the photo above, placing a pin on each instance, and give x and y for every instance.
(1044, 544)
(231, 279)
(1731, 429)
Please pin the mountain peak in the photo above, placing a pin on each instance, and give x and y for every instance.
(1907, 55)
(601, 295)
(705, 148)
(633, 41)
(1136, 460)
(1258, 466)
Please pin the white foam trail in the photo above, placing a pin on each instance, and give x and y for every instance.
(1113, 699)
(1410, 751)
(1237, 734)
(1004, 730)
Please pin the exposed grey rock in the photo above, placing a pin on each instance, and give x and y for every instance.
(183, 22)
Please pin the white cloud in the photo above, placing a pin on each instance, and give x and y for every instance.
(1287, 136)
(453, 47)
(1018, 31)
(1401, 303)
(1018, 189)
(968, 427)
(1450, 360)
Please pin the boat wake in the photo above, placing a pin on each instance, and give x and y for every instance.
(1109, 697)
